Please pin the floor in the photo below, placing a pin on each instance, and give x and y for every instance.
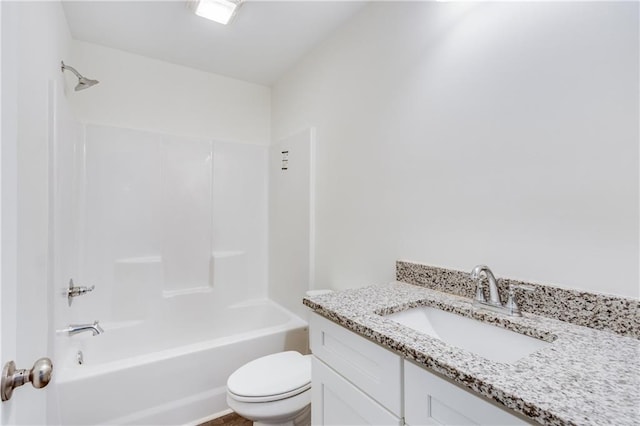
(229, 420)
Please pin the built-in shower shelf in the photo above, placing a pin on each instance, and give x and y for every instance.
(137, 260)
(186, 291)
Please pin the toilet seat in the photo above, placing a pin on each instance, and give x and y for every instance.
(276, 412)
(271, 378)
(269, 398)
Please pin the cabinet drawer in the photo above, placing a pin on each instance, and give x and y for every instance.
(433, 400)
(335, 401)
(373, 369)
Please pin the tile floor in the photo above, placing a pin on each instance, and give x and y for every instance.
(229, 420)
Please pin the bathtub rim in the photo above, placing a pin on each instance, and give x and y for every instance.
(69, 371)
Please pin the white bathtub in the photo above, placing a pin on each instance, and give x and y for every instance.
(169, 370)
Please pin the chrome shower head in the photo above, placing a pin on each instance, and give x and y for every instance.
(83, 82)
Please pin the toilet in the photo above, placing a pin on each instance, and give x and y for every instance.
(273, 390)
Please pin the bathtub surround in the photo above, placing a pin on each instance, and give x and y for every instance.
(292, 219)
(160, 217)
(172, 231)
(584, 377)
(619, 315)
(503, 133)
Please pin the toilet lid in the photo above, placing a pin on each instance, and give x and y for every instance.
(271, 377)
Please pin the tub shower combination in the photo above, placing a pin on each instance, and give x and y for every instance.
(168, 372)
(167, 251)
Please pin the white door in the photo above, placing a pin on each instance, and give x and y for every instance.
(8, 202)
(24, 329)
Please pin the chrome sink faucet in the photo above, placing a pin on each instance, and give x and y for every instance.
(495, 304)
(494, 296)
(73, 329)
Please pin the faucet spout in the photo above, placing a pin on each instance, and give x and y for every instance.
(494, 296)
(494, 304)
(73, 329)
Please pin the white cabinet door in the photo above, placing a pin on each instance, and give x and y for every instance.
(335, 401)
(372, 368)
(432, 400)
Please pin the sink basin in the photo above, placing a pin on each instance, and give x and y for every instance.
(491, 342)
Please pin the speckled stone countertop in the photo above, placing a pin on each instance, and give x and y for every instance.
(584, 377)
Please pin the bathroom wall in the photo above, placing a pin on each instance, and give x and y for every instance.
(34, 40)
(137, 92)
(465, 133)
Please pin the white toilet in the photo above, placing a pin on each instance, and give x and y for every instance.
(273, 390)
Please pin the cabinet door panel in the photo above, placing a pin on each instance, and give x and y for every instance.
(372, 368)
(336, 402)
(432, 400)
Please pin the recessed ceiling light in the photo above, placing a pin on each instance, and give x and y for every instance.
(221, 11)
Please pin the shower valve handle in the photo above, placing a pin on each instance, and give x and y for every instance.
(75, 291)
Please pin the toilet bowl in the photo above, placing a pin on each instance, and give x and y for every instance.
(273, 390)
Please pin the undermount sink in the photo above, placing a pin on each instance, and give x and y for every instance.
(491, 342)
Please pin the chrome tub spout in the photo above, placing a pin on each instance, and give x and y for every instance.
(73, 329)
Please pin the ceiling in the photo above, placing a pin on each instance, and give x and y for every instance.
(264, 40)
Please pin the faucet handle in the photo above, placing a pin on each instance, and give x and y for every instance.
(511, 304)
(75, 291)
(97, 329)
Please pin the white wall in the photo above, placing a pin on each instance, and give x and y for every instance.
(141, 93)
(464, 133)
(35, 43)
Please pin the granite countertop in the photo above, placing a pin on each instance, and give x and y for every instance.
(584, 377)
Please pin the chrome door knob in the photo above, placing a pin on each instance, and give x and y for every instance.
(39, 376)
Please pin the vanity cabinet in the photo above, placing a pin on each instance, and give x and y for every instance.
(336, 401)
(354, 381)
(357, 382)
(433, 400)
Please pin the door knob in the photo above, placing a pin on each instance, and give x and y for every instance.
(39, 376)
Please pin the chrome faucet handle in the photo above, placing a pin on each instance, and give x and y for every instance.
(75, 291)
(97, 328)
(511, 304)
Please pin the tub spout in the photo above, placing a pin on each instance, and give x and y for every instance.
(94, 328)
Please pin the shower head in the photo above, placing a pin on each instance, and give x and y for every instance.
(83, 82)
